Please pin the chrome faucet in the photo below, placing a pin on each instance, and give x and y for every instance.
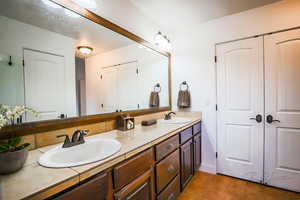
(168, 116)
(77, 138)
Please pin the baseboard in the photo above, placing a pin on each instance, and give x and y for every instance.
(208, 168)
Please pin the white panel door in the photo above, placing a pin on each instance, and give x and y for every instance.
(128, 86)
(240, 98)
(44, 84)
(282, 101)
(109, 90)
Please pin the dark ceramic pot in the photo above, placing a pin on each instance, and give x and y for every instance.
(12, 161)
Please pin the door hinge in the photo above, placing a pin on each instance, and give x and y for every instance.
(102, 105)
(101, 76)
(216, 107)
(138, 106)
(23, 63)
(137, 70)
(215, 59)
(216, 154)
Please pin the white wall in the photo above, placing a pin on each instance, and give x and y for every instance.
(15, 36)
(194, 51)
(153, 68)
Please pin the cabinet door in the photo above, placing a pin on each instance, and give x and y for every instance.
(141, 188)
(186, 163)
(95, 189)
(197, 152)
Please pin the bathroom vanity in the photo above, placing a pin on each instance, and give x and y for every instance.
(155, 162)
(159, 172)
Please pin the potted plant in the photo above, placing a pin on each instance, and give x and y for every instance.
(13, 153)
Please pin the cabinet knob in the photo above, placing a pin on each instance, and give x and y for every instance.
(171, 168)
(170, 146)
(171, 196)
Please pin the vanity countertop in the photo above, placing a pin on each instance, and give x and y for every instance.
(37, 182)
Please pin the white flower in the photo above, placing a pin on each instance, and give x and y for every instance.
(8, 114)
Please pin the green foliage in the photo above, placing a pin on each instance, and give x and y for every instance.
(13, 144)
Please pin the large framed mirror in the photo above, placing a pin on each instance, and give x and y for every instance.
(75, 67)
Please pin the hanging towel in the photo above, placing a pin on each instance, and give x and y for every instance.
(184, 97)
(154, 96)
(154, 99)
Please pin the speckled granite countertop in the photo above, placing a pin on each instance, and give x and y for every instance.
(37, 182)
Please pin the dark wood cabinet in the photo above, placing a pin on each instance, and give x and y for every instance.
(131, 169)
(172, 191)
(166, 147)
(187, 169)
(186, 135)
(96, 188)
(166, 170)
(159, 172)
(197, 152)
(140, 188)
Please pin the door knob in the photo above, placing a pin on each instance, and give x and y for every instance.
(270, 119)
(258, 118)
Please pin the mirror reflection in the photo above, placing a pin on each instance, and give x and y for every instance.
(64, 65)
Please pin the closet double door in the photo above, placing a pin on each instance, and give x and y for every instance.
(258, 117)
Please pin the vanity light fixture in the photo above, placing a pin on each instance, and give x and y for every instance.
(162, 41)
(85, 50)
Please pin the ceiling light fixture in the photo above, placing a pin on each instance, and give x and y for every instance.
(85, 50)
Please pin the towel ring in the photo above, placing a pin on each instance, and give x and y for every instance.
(157, 86)
(182, 84)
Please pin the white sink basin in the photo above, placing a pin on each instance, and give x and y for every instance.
(177, 120)
(92, 150)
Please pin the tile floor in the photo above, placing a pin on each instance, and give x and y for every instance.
(205, 186)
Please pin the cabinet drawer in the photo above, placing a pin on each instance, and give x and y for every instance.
(95, 189)
(172, 191)
(166, 147)
(129, 170)
(186, 135)
(197, 128)
(167, 169)
(140, 188)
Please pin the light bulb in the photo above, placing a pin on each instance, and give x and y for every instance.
(85, 50)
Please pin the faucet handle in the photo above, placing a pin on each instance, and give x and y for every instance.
(85, 131)
(82, 134)
(67, 142)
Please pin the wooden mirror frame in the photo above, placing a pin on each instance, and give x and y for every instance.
(56, 124)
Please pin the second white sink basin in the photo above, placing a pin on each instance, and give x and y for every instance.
(177, 120)
(92, 150)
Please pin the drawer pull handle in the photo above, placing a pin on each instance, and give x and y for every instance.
(171, 168)
(170, 146)
(171, 196)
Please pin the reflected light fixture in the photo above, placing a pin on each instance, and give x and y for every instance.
(85, 50)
